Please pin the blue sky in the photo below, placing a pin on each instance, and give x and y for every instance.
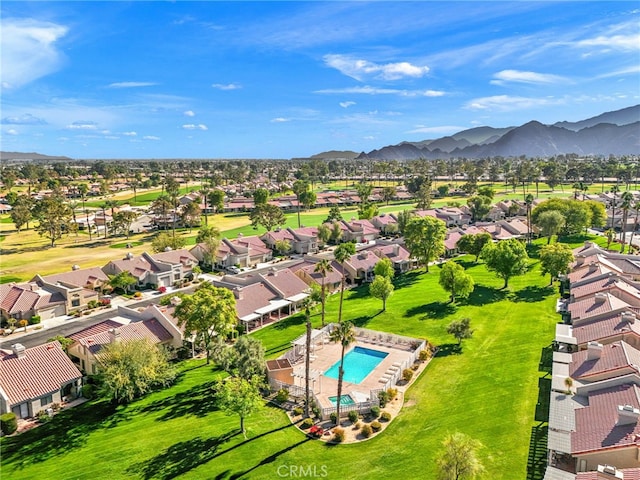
(292, 79)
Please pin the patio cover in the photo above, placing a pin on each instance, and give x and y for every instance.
(250, 317)
(273, 306)
(563, 334)
(302, 339)
(298, 297)
(553, 473)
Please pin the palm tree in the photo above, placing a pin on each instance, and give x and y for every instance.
(323, 267)
(528, 200)
(614, 190)
(627, 198)
(636, 207)
(344, 334)
(342, 253)
(307, 304)
(610, 233)
(83, 189)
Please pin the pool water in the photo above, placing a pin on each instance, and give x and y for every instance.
(358, 363)
(344, 400)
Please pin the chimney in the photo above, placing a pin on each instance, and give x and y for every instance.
(114, 335)
(611, 470)
(593, 266)
(627, 415)
(628, 317)
(600, 297)
(129, 256)
(498, 228)
(19, 350)
(594, 351)
(396, 249)
(75, 267)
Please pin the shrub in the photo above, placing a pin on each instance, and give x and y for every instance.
(105, 302)
(353, 416)
(8, 423)
(392, 393)
(407, 374)
(93, 304)
(23, 323)
(55, 407)
(43, 416)
(376, 426)
(306, 423)
(385, 416)
(357, 426)
(334, 417)
(162, 289)
(297, 411)
(375, 411)
(35, 320)
(137, 295)
(88, 391)
(316, 412)
(366, 430)
(415, 367)
(338, 434)
(424, 355)
(282, 395)
(383, 397)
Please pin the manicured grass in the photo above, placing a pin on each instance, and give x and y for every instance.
(487, 389)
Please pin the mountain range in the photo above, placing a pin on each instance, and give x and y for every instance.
(611, 133)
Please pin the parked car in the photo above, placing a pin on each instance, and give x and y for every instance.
(233, 269)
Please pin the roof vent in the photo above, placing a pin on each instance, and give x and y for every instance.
(19, 350)
(627, 415)
(610, 470)
(75, 267)
(129, 256)
(600, 297)
(628, 317)
(167, 248)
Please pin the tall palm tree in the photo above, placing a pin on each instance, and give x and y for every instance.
(307, 304)
(528, 200)
(323, 267)
(636, 207)
(614, 190)
(344, 334)
(625, 205)
(342, 253)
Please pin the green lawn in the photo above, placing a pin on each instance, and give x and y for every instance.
(488, 390)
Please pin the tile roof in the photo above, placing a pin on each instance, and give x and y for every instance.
(94, 330)
(593, 306)
(596, 427)
(616, 357)
(285, 282)
(252, 297)
(78, 278)
(151, 330)
(627, 474)
(602, 328)
(43, 370)
(174, 257)
(364, 260)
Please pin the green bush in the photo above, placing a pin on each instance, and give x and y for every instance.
(407, 374)
(424, 355)
(282, 396)
(88, 391)
(376, 426)
(383, 397)
(35, 319)
(375, 411)
(385, 416)
(366, 430)
(392, 393)
(357, 426)
(338, 434)
(8, 423)
(298, 411)
(334, 417)
(306, 423)
(316, 412)
(43, 416)
(353, 416)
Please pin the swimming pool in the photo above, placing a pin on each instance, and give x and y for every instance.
(358, 363)
(344, 400)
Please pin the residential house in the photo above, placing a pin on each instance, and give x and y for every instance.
(25, 300)
(386, 223)
(151, 324)
(397, 253)
(302, 240)
(33, 379)
(305, 270)
(242, 252)
(359, 267)
(158, 270)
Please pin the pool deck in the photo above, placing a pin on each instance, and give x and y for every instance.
(329, 353)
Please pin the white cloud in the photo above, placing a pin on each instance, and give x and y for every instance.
(129, 134)
(367, 90)
(359, 69)
(619, 73)
(82, 125)
(506, 103)
(441, 130)
(280, 120)
(25, 119)
(505, 76)
(191, 126)
(189, 113)
(347, 104)
(28, 50)
(617, 42)
(150, 137)
(229, 86)
(131, 84)
(12, 131)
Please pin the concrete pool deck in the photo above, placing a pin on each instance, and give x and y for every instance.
(324, 357)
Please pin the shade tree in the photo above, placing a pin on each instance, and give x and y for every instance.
(506, 259)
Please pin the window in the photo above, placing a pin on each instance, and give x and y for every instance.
(176, 276)
(46, 400)
(75, 302)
